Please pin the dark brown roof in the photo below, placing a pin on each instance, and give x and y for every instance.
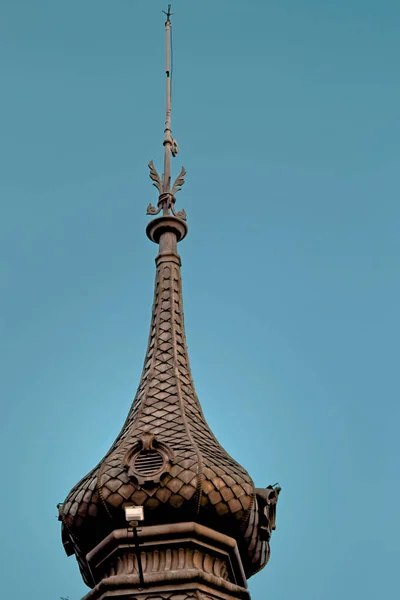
(166, 458)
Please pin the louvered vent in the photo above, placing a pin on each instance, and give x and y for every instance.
(148, 463)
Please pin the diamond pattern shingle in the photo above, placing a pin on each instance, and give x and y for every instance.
(202, 476)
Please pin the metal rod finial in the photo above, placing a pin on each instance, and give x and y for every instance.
(168, 13)
(166, 199)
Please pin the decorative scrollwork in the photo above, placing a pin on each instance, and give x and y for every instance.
(166, 199)
(152, 210)
(179, 181)
(155, 176)
(181, 214)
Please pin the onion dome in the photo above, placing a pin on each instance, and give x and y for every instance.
(166, 458)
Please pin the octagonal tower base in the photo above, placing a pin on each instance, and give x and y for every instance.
(181, 561)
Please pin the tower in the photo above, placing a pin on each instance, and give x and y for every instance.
(167, 513)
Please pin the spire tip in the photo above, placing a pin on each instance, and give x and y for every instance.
(168, 13)
(166, 199)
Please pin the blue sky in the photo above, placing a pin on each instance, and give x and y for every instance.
(287, 118)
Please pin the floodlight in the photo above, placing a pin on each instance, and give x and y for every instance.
(134, 513)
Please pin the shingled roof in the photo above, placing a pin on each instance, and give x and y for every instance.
(166, 458)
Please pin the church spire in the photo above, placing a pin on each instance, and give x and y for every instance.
(204, 526)
(166, 199)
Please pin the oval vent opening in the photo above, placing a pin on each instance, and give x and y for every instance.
(148, 463)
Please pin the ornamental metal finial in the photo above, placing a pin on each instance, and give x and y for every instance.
(166, 199)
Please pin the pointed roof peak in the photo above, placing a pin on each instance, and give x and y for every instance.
(166, 460)
(166, 198)
(168, 13)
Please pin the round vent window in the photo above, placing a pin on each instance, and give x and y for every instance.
(148, 460)
(148, 463)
